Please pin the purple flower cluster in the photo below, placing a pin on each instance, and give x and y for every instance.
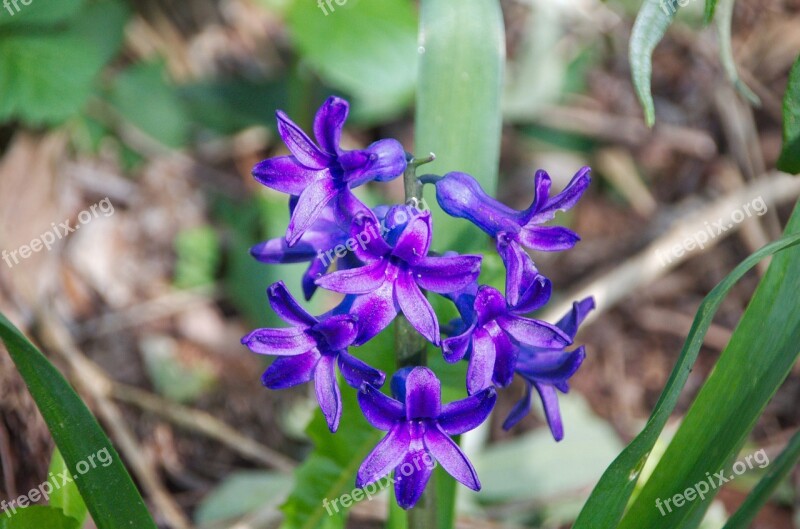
(387, 274)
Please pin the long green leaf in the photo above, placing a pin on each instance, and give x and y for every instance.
(68, 497)
(757, 360)
(107, 488)
(462, 55)
(651, 24)
(724, 21)
(779, 469)
(38, 517)
(790, 155)
(607, 502)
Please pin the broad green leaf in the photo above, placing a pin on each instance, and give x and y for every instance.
(778, 471)
(458, 116)
(67, 497)
(38, 517)
(790, 155)
(651, 24)
(365, 48)
(609, 498)
(724, 20)
(105, 485)
(46, 77)
(197, 257)
(758, 358)
(16, 16)
(161, 115)
(242, 493)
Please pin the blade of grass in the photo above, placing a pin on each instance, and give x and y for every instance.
(607, 502)
(108, 491)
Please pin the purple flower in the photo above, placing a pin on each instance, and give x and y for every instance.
(419, 433)
(322, 236)
(492, 339)
(323, 173)
(548, 370)
(310, 350)
(460, 195)
(397, 269)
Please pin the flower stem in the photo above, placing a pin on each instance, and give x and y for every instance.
(411, 350)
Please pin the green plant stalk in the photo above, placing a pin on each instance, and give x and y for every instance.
(411, 348)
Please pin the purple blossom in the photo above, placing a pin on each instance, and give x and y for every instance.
(549, 369)
(492, 337)
(419, 432)
(397, 269)
(310, 350)
(460, 195)
(322, 173)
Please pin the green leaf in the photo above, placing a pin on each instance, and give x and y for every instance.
(67, 497)
(458, 115)
(651, 24)
(242, 493)
(609, 498)
(46, 77)
(365, 48)
(750, 370)
(38, 517)
(107, 488)
(197, 257)
(778, 471)
(789, 160)
(37, 13)
(161, 115)
(724, 20)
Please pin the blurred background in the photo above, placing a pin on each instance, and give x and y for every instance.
(154, 112)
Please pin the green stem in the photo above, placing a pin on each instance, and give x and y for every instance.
(411, 350)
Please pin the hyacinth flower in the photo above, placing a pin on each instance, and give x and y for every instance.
(549, 370)
(419, 433)
(460, 195)
(310, 350)
(493, 337)
(396, 268)
(323, 173)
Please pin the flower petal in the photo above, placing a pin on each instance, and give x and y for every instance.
(289, 371)
(447, 274)
(375, 311)
(423, 394)
(367, 232)
(287, 308)
(286, 174)
(327, 388)
(415, 240)
(329, 122)
(356, 372)
(309, 207)
(541, 185)
(385, 456)
(460, 195)
(514, 258)
(381, 411)
(279, 342)
(300, 144)
(572, 320)
(551, 411)
(361, 280)
(411, 477)
(416, 308)
(339, 330)
(520, 409)
(534, 332)
(456, 348)
(315, 270)
(382, 161)
(553, 367)
(452, 459)
(564, 200)
(481, 363)
(277, 251)
(548, 238)
(505, 356)
(467, 414)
